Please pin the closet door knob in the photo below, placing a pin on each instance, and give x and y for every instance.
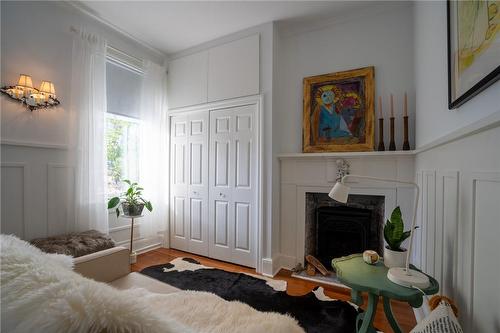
(221, 195)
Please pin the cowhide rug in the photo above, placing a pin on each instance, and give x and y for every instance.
(314, 311)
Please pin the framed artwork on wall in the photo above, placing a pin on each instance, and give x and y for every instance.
(339, 111)
(473, 48)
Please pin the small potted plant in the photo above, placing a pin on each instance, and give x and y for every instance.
(131, 201)
(394, 234)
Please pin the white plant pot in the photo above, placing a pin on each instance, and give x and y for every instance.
(394, 258)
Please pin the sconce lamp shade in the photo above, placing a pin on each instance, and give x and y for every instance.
(25, 81)
(340, 192)
(47, 87)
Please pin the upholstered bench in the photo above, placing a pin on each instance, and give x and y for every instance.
(75, 244)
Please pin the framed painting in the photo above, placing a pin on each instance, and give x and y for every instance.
(339, 112)
(473, 48)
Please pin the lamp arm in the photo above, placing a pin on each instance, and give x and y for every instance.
(415, 206)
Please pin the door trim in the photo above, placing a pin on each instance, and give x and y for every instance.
(241, 101)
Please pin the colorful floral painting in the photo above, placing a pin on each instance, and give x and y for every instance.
(338, 111)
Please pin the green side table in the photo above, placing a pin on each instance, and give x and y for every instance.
(361, 277)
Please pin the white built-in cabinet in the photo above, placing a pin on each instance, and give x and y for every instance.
(221, 72)
(213, 183)
(187, 80)
(233, 69)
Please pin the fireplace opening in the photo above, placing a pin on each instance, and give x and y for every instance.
(341, 231)
(334, 230)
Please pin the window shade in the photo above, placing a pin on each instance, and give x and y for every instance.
(123, 90)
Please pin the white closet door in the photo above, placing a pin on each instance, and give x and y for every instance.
(198, 182)
(179, 182)
(232, 197)
(189, 182)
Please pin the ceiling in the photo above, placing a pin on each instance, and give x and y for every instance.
(172, 26)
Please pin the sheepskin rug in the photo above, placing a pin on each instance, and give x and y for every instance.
(41, 293)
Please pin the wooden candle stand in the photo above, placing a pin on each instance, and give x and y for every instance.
(392, 144)
(406, 143)
(381, 146)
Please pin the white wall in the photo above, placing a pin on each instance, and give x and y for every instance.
(36, 40)
(458, 169)
(431, 76)
(380, 36)
(266, 77)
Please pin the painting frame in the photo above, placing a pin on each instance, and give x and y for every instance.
(487, 80)
(310, 144)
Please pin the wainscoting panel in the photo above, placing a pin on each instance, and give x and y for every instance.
(447, 194)
(460, 211)
(428, 220)
(37, 191)
(60, 198)
(485, 291)
(14, 198)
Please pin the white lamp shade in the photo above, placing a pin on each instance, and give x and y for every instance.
(339, 192)
(47, 87)
(52, 89)
(25, 81)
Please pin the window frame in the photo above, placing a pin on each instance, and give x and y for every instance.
(135, 65)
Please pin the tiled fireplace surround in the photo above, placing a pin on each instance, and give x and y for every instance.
(304, 176)
(314, 201)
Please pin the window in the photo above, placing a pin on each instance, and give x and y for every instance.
(123, 86)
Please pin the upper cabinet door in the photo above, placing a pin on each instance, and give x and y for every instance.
(187, 80)
(233, 69)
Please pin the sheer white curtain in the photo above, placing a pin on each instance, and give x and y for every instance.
(153, 152)
(88, 108)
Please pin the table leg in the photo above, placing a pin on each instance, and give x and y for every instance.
(367, 317)
(390, 316)
(131, 235)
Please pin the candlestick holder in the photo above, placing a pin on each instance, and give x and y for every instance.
(406, 143)
(392, 144)
(381, 146)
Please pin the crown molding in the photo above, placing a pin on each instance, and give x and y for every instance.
(292, 28)
(82, 8)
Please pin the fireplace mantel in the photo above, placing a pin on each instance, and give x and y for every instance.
(316, 172)
(347, 154)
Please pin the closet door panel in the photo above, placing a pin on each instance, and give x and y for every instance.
(198, 182)
(196, 219)
(242, 227)
(178, 182)
(244, 188)
(232, 185)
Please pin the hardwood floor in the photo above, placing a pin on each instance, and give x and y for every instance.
(402, 311)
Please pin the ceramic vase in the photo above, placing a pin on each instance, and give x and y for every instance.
(394, 258)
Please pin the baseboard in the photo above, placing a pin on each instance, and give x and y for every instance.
(267, 267)
(271, 266)
(287, 262)
(148, 248)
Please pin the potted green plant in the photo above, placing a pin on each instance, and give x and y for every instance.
(131, 201)
(394, 234)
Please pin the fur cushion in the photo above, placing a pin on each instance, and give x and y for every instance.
(40, 293)
(75, 244)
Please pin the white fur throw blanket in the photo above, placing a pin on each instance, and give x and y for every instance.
(41, 293)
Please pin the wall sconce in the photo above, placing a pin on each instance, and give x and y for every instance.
(45, 97)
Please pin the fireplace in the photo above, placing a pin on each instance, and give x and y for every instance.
(341, 231)
(334, 230)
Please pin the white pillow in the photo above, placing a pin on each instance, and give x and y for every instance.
(440, 320)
